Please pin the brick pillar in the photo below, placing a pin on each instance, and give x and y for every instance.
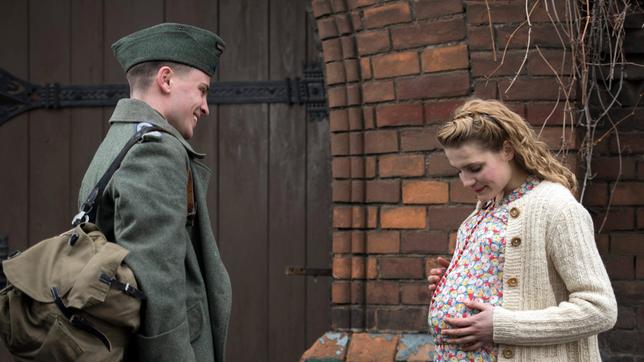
(395, 70)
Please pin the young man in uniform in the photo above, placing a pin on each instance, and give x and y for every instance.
(145, 207)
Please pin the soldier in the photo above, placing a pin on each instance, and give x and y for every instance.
(147, 205)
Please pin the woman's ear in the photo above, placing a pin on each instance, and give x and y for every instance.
(164, 79)
(508, 151)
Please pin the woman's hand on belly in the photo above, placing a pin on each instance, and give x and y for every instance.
(474, 331)
(436, 274)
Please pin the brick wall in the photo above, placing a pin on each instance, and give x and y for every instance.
(395, 70)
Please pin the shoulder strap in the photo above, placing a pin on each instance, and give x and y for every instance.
(190, 199)
(88, 209)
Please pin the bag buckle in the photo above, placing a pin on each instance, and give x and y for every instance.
(80, 218)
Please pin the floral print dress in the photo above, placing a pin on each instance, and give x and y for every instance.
(475, 273)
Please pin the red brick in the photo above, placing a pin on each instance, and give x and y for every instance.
(352, 70)
(596, 194)
(341, 242)
(354, 4)
(358, 243)
(357, 191)
(407, 318)
(441, 111)
(639, 269)
(627, 243)
(399, 115)
(339, 143)
(327, 28)
(640, 218)
(383, 191)
(478, 38)
(629, 142)
(435, 32)
(382, 293)
(355, 118)
(356, 21)
(338, 5)
(445, 58)
(530, 89)
(395, 64)
(357, 295)
(340, 317)
(357, 167)
(402, 165)
(341, 267)
(434, 86)
(341, 190)
(486, 89)
(372, 267)
(483, 64)
(358, 217)
(320, 7)
(403, 218)
(503, 12)
(368, 116)
(341, 217)
(332, 50)
(439, 165)
(559, 60)
(401, 267)
(542, 36)
(340, 292)
(372, 217)
(383, 242)
(370, 167)
(626, 318)
(381, 141)
(341, 167)
(380, 91)
(619, 218)
(435, 8)
(607, 168)
(348, 46)
(425, 242)
(343, 23)
(550, 113)
(414, 293)
(368, 347)
(365, 68)
(337, 96)
(629, 193)
(338, 120)
(358, 267)
(353, 95)
(392, 13)
(335, 73)
(425, 192)
(370, 42)
(620, 267)
(460, 194)
(447, 218)
(603, 243)
(418, 140)
(558, 137)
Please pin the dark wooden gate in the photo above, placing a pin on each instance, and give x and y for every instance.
(270, 194)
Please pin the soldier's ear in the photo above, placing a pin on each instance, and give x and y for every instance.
(163, 79)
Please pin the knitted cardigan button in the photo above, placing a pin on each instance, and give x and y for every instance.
(513, 282)
(508, 353)
(515, 241)
(514, 212)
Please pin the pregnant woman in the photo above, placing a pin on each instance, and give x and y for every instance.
(526, 282)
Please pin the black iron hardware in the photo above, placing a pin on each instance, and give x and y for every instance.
(304, 271)
(18, 96)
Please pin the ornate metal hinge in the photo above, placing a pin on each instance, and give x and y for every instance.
(18, 96)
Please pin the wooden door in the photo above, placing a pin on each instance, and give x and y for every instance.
(269, 195)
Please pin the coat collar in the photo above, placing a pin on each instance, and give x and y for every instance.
(135, 111)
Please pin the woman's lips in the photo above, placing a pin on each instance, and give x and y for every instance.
(478, 191)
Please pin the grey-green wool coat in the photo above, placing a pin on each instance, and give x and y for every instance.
(178, 267)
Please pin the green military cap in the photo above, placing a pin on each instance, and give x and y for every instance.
(173, 42)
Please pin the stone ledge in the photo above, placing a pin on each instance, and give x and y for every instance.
(373, 347)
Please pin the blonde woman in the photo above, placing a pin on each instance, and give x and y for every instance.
(526, 282)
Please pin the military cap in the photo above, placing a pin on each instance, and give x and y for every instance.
(173, 42)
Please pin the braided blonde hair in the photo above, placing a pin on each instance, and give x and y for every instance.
(491, 123)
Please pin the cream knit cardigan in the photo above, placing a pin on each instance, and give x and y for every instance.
(556, 293)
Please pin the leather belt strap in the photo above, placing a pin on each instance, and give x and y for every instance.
(124, 287)
(190, 220)
(77, 320)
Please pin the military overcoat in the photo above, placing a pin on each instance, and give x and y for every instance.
(177, 265)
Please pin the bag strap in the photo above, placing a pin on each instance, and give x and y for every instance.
(190, 195)
(88, 208)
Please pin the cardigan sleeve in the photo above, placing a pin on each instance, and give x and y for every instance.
(591, 307)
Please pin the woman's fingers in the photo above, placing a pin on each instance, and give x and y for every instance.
(472, 346)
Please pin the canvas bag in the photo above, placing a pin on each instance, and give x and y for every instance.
(71, 297)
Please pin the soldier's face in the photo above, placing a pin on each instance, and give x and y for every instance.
(188, 100)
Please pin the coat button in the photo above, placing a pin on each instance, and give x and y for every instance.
(508, 353)
(515, 241)
(514, 212)
(513, 282)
